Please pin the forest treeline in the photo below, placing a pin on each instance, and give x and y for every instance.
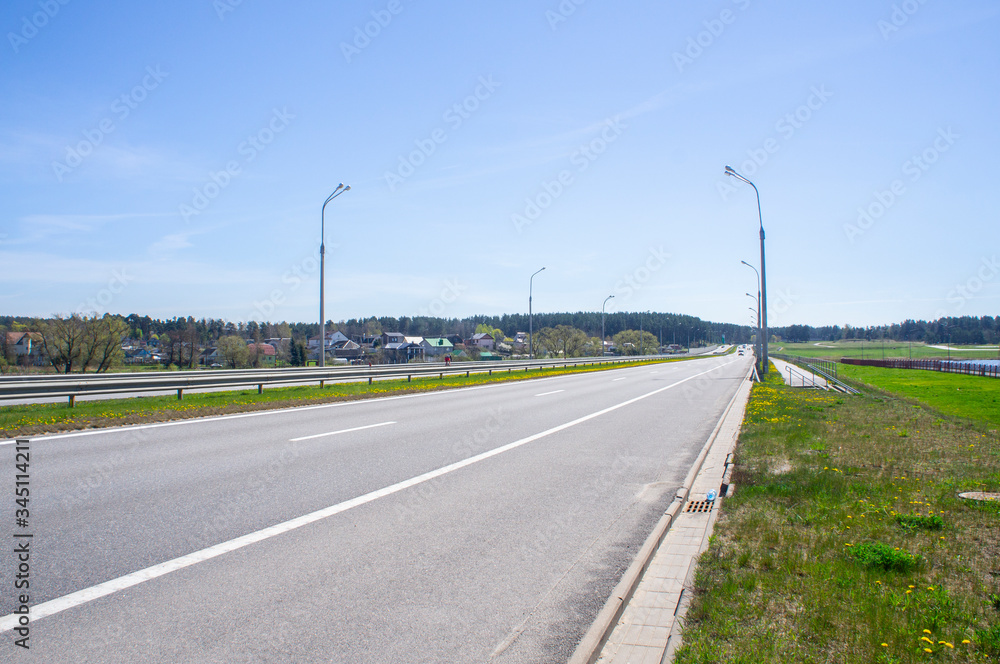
(665, 327)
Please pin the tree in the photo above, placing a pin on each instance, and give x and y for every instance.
(233, 351)
(562, 340)
(64, 341)
(630, 342)
(103, 342)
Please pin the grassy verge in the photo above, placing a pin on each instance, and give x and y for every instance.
(36, 419)
(846, 540)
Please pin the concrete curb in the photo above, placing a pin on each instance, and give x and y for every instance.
(589, 648)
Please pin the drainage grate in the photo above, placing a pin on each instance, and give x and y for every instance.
(700, 506)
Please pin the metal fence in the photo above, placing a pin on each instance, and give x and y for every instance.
(948, 366)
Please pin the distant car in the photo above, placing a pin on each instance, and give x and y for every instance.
(219, 366)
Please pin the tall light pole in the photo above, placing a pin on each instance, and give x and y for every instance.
(531, 324)
(763, 271)
(602, 323)
(322, 260)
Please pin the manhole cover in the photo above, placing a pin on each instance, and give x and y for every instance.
(700, 506)
(979, 495)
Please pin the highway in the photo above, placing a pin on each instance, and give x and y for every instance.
(20, 383)
(472, 525)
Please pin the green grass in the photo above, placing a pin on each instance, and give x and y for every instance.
(810, 560)
(876, 350)
(36, 419)
(957, 395)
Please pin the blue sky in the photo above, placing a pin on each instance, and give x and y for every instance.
(171, 158)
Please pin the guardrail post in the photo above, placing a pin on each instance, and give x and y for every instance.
(260, 388)
(180, 393)
(409, 378)
(369, 380)
(72, 400)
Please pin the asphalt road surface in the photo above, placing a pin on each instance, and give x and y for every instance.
(474, 525)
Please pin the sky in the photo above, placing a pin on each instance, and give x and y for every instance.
(172, 159)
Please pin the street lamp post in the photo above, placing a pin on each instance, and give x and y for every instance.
(757, 300)
(531, 325)
(757, 344)
(602, 323)
(322, 260)
(763, 271)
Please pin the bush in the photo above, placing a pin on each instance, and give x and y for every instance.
(989, 640)
(882, 556)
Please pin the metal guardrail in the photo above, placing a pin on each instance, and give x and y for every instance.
(74, 385)
(824, 368)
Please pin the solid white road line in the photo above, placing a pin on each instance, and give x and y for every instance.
(334, 433)
(79, 597)
(545, 394)
(618, 379)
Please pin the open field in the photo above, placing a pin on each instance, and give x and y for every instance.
(957, 395)
(873, 350)
(36, 419)
(846, 540)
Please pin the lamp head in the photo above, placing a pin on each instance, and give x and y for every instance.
(730, 171)
(347, 188)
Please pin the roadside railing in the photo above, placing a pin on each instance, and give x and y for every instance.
(74, 385)
(947, 366)
(824, 368)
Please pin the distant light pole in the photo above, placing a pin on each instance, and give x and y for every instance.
(756, 345)
(757, 300)
(763, 271)
(602, 323)
(322, 260)
(531, 325)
